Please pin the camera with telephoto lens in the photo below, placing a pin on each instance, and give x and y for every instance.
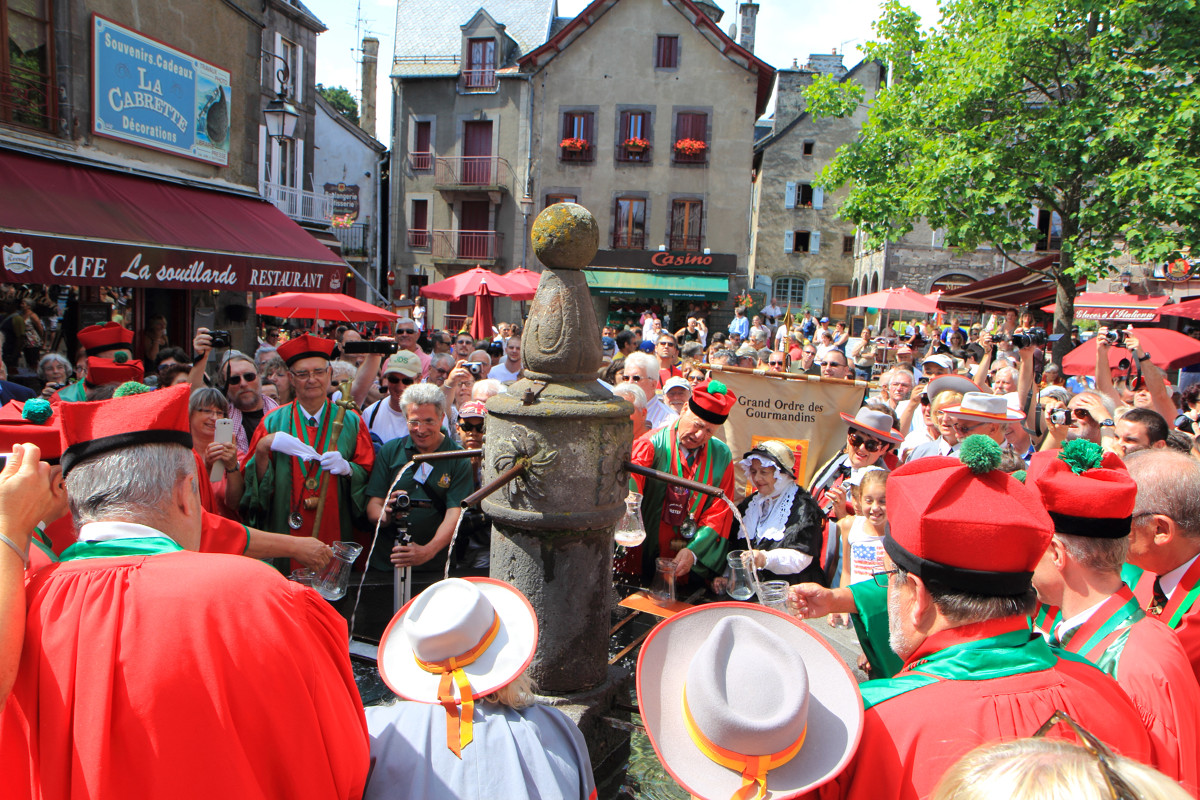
(220, 338)
(1116, 337)
(1031, 337)
(1058, 416)
(369, 348)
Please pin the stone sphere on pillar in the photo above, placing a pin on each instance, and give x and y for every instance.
(565, 236)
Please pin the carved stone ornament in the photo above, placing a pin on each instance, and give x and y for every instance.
(525, 446)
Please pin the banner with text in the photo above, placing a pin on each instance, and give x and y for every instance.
(802, 414)
(152, 95)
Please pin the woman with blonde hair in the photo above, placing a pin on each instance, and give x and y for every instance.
(1052, 769)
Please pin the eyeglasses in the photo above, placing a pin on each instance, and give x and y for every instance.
(829, 363)
(870, 445)
(1118, 787)
(466, 341)
(248, 377)
(881, 578)
(962, 427)
(405, 331)
(310, 373)
(393, 378)
(212, 412)
(471, 427)
(667, 344)
(635, 378)
(774, 363)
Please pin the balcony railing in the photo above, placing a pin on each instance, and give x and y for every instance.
(472, 172)
(477, 81)
(692, 158)
(297, 203)
(582, 155)
(467, 245)
(27, 98)
(353, 238)
(689, 244)
(418, 240)
(629, 240)
(420, 162)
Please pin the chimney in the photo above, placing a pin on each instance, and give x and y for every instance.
(749, 13)
(370, 69)
(789, 93)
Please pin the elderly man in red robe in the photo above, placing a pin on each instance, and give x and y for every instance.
(953, 601)
(151, 670)
(1090, 496)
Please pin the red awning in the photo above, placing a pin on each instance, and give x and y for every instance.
(69, 224)
(1115, 307)
(1016, 288)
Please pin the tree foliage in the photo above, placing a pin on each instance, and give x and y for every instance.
(340, 98)
(1083, 107)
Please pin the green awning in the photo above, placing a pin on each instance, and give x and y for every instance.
(652, 284)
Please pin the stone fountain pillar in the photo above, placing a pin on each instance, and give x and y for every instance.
(552, 526)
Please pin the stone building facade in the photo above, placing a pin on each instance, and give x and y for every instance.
(803, 252)
(643, 111)
(460, 141)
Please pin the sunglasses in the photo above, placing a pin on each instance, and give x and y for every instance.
(401, 379)
(1118, 787)
(775, 363)
(635, 378)
(248, 377)
(405, 331)
(473, 427)
(870, 445)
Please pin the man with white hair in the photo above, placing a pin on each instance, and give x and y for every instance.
(637, 398)
(642, 370)
(436, 489)
(147, 663)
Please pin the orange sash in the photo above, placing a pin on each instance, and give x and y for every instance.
(753, 768)
(459, 721)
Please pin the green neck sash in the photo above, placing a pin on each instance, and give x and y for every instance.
(114, 548)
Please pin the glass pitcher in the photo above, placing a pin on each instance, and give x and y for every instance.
(630, 531)
(334, 578)
(739, 582)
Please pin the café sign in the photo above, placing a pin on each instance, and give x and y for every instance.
(152, 95)
(29, 258)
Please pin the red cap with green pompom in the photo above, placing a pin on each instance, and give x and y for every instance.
(712, 401)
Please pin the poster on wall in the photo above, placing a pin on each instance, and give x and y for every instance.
(345, 203)
(152, 95)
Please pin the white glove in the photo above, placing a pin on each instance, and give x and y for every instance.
(334, 463)
(291, 446)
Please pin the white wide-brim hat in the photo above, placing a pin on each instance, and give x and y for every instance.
(876, 423)
(448, 619)
(790, 672)
(981, 407)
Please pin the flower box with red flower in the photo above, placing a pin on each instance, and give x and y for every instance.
(574, 145)
(636, 145)
(690, 147)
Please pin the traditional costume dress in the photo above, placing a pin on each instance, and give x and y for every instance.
(974, 530)
(150, 671)
(786, 524)
(676, 518)
(284, 499)
(1176, 606)
(1090, 494)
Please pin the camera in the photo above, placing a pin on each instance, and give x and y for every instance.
(369, 348)
(474, 367)
(1058, 416)
(401, 503)
(220, 338)
(1115, 337)
(1031, 337)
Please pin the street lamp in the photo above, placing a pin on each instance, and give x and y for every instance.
(526, 204)
(280, 114)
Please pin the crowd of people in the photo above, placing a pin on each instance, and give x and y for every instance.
(1015, 550)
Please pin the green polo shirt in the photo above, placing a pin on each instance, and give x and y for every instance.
(448, 483)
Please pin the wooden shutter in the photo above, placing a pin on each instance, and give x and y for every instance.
(625, 127)
(814, 242)
(789, 196)
(818, 197)
(589, 120)
(788, 236)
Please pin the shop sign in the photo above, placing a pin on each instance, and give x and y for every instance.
(56, 260)
(668, 260)
(1116, 314)
(155, 96)
(345, 202)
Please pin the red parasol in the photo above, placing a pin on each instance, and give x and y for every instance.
(473, 282)
(1168, 349)
(323, 306)
(902, 299)
(1189, 309)
(482, 319)
(527, 278)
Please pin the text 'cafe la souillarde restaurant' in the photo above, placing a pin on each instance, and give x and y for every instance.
(105, 245)
(674, 284)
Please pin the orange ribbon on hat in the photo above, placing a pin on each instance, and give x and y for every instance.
(459, 725)
(753, 768)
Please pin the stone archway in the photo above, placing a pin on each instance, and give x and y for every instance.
(950, 280)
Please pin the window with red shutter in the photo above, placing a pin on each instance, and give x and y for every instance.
(633, 143)
(686, 219)
(691, 138)
(418, 228)
(421, 158)
(578, 136)
(666, 54)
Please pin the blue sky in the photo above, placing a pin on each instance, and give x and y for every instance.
(787, 30)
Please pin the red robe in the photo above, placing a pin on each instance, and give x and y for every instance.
(1182, 613)
(1148, 661)
(181, 675)
(911, 739)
